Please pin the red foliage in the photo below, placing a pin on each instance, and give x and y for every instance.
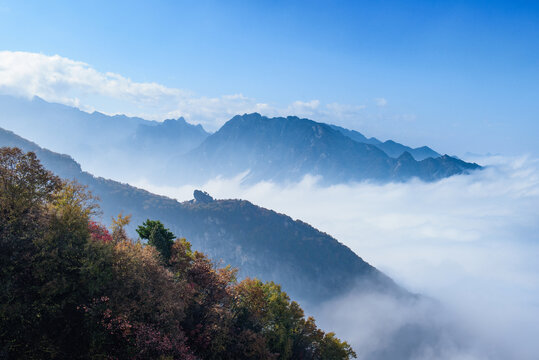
(99, 232)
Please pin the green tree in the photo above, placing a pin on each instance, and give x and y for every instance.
(71, 290)
(43, 234)
(265, 309)
(158, 236)
(25, 188)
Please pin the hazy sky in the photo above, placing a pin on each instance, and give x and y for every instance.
(456, 75)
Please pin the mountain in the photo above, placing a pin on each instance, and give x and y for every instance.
(394, 149)
(391, 148)
(286, 149)
(113, 146)
(175, 136)
(356, 135)
(312, 266)
(276, 149)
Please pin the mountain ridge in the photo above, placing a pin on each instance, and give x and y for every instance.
(112, 146)
(391, 148)
(311, 265)
(277, 149)
(286, 149)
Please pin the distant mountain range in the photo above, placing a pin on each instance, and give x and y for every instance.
(312, 266)
(170, 136)
(175, 152)
(286, 149)
(390, 147)
(113, 146)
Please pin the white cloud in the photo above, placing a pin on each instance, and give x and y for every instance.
(304, 108)
(380, 102)
(344, 111)
(470, 241)
(54, 77)
(75, 83)
(58, 79)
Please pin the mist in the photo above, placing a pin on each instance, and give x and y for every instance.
(470, 243)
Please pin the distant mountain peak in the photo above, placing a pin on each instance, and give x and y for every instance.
(286, 149)
(406, 156)
(179, 123)
(253, 114)
(179, 120)
(391, 148)
(113, 146)
(247, 116)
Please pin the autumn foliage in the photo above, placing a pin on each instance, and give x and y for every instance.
(72, 289)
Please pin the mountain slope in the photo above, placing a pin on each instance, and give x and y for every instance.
(278, 149)
(164, 139)
(311, 265)
(112, 145)
(391, 148)
(286, 149)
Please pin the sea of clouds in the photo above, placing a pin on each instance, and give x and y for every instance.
(469, 244)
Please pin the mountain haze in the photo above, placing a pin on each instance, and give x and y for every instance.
(175, 136)
(286, 149)
(114, 146)
(312, 266)
(175, 152)
(391, 148)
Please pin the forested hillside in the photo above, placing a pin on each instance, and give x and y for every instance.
(310, 265)
(70, 289)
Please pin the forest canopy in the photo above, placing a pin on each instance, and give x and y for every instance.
(72, 288)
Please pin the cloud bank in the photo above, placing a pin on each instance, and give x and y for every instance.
(471, 242)
(75, 83)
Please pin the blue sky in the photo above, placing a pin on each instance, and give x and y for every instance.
(456, 75)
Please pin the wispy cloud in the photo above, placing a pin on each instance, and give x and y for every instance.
(380, 102)
(75, 83)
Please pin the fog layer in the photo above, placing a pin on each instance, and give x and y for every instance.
(470, 242)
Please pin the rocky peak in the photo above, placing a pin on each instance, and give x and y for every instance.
(202, 197)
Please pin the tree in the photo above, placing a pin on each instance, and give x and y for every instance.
(25, 187)
(71, 290)
(44, 228)
(23, 181)
(265, 309)
(158, 236)
(118, 227)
